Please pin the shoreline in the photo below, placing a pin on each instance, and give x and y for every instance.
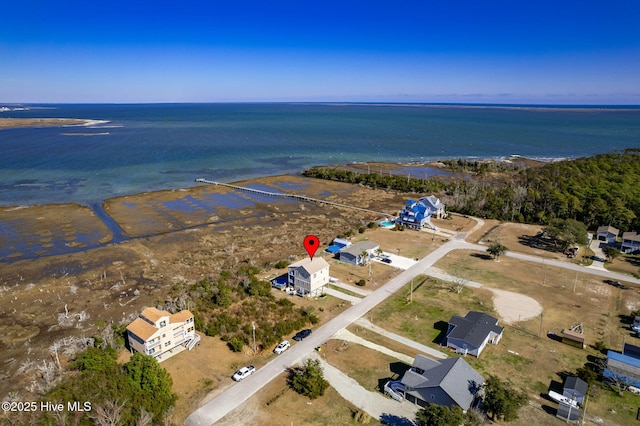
(32, 123)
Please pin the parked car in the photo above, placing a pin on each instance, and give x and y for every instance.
(302, 334)
(283, 346)
(244, 372)
(386, 260)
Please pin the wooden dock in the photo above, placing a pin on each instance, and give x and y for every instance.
(292, 196)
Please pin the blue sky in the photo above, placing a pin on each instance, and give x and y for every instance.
(545, 52)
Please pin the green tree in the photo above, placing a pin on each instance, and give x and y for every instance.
(152, 382)
(309, 379)
(566, 232)
(496, 250)
(94, 359)
(502, 400)
(611, 253)
(439, 415)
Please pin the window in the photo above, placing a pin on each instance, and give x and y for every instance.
(163, 323)
(167, 344)
(164, 335)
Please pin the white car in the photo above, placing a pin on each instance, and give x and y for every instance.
(244, 372)
(283, 346)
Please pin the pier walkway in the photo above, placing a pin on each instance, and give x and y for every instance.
(293, 196)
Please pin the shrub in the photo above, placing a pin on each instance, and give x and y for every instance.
(281, 264)
(361, 283)
(308, 380)
(361, 230)
(372, 225)
(235, 344)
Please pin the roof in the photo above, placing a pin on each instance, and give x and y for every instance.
(357, 248)
(432, 202)
(567, 412)
(311, 266)
(573, 335)
(453, 375)
(607, 229)
(577, 384)
(474, 327)
(181, 316)
(631, 236)
(141, 328)
(631, 350)
(334, 248)
(153, 314)
(624, 359)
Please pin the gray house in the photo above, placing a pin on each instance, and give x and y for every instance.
(354, 253)
(575, 388)
(447, 382)
(630, 242)
(471, 333)
(609, 234)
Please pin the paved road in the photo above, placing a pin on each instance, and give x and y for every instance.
(218, 407)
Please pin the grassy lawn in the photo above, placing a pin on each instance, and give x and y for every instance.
(529, 361)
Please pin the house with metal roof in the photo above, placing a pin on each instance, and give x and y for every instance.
(308, 276)
(417, 214)
(446, 382)
(162, 334)
(358, 253)
(624, 367)
(630, 242)
(471, 333)
(609, 234)
(575, 388)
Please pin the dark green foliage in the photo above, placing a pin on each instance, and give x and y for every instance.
(308, 380)
(141, 383)
(372, 225)
(496, 250)
(235, 344)
(361, 283)
(439, 415)
(281, 264)
(587, 374)
(601, 347)
(566, 232)
(94, 359)
(361, 230)
(502, 399)
(152, 384)
(611, 253)
(596, 190)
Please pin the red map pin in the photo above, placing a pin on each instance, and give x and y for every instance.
(311, 244)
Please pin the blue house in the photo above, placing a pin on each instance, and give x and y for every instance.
(417, 214)
(624, 367)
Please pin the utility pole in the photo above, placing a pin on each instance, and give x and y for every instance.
(575, 282)
(411, 293)
(253, 325)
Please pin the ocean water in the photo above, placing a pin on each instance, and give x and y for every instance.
(167, 146)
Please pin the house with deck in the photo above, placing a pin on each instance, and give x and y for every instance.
(162, 334)
(608, 234)
(630, 242)
(446, 382)
(417, 214)
(471, 333)
(624, 368)
(358, 253)
(309, 277)
(575, 389)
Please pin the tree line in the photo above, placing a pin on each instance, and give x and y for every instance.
(598, 190)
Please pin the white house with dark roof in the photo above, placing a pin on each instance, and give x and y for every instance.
(308, 276)
(630, 242)
(162, 334)
(446, 382)
(354, 253)
(609, 234)
(471, 333)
